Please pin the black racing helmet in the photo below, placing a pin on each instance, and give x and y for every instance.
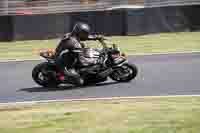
(81, 30)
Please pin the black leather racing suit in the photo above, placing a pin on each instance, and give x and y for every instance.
(66, 55)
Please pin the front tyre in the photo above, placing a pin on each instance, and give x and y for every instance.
(124, 73)
(40, 75)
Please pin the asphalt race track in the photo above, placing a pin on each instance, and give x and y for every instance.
(159, 75)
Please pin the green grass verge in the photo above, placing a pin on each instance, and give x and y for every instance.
(141, 115)
(147, 44)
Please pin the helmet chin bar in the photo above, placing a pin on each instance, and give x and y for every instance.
(83, 36)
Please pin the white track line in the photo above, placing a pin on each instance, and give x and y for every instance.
(94, 99)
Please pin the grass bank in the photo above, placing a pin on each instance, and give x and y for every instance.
(140, 115)
(132, 45)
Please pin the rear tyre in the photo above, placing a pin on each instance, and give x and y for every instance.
(124, 73)
(41, 77)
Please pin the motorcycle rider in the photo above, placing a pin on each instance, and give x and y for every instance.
(68, 52)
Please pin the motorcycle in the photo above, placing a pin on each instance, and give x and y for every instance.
(112, 63)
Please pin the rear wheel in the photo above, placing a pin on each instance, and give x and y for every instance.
(41, 75)
(124, 73)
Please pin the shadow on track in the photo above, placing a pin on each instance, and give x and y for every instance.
(64, 88)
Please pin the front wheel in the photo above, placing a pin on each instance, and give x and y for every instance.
(40, 75)
(124, 73)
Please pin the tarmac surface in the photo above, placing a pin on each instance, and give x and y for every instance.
(159, 75)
